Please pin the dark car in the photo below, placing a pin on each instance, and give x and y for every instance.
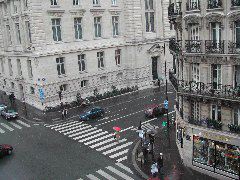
(93, 113)
(154, 111)
(5, 149)
(9, 114)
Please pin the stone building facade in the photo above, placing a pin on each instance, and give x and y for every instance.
(78, 46)
(206, 78)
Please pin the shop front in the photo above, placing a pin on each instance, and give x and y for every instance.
(217, 153)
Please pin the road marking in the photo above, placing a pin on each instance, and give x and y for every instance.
(106, 175)
(126, 129)
(15, 125)
(68, 126)
(91, 137)
(119, 154)
(103, 142)
(93, 132)
(96, 140)
(60, 122)
(23, 123)
(55, 119)
(121, 159)
(124, 167)
(117, 148)
(92, 177)
(110, 145)
(72, 128)
(2, 131)
(76, 130)
(124, 176)
(91, 129)
(73, 122)
(7, 127)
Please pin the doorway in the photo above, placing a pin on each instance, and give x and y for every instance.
(154, 68)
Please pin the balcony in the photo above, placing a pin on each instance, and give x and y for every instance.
(233, 47)
(209, 123)
(174, 10)
(190, 5)
(175, 45)
(213, 4)
(193, 46)
(235, 3)
(214, 47)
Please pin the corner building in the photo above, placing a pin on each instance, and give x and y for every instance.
(206, 77)
(78, 46)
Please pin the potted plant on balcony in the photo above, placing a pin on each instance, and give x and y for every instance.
(234, 128)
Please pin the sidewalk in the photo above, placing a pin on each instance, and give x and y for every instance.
(173, 169)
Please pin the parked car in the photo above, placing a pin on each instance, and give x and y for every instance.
(154, 111)
(9, 114)
(93, 113)
(2, 107)
(5, 149)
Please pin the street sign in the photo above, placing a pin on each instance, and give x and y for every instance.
(164, 124)
(166, 104)
(41, 94)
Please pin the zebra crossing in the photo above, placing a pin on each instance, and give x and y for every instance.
(11, 126)
(97, 139)
(114, 172)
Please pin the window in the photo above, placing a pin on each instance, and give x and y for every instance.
(84, 83)
(29, 65)
(216, 112)
(19, 68)
(76, 2)
(2, 65)
(195, 72)
(18, 34)
(236, 119)
(10, 67)
(97, 26)
(81, 62)
(193, 4)
(216, 33)
(216, 76)
(32, 90)
(118, 56)
(56, 28)
(12, 85)
(63, 87)
(114, 2)
(100, 57)
(9, 39)
(115, 24)
(5, 8)
(53, 2)
(237, 34)
(78, 28)
(195, 110)
(60, 66)
(194, 32)
(28, 32)
(96, 2)
(237, 76)
(16, 4)
(149, 15)
(25, 4)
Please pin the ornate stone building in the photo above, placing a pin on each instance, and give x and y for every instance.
(78, 46)
(206, 77)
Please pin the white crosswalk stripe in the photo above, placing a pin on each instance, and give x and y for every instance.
(68, 126)
(106, 175)
(7, 127)
(117, 148)
(11, 126)
(61, 125)
(124, 176)
(99, 139)
(92, 177)
(15, 125)
(72, 128)
(93, 132)
(23, 123)
(119, 154)
(77, 130)
(91, 137)
(76, 134)
(103, 142)
(124, 167)
(121, 159)
(110, 145)
(2, 131)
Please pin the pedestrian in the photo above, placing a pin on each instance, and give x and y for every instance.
(140, 125)
(154, 168)
(145, 154)
(65, 112)
(62, 114)
(160, 163)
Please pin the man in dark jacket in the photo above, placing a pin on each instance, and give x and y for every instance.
(160, 163)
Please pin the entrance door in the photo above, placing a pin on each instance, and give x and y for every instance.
(154, 68)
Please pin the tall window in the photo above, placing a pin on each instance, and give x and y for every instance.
(114, 2)
(76, 2)
(97, 26)
(25, 4)
(53, 2)
(29, 65)
(118, 56)
(16, 4)
(216, 32)
(19, 68)
(195, 72)
(195, 110)
(10, 67)
(115, 24)
(2, 65)
(18, 34)
(237, 34)
(28, 32)
(78, 28)
(193, 4)
(81, 62)
(9, 39)
(237, 76)
(100, 57)
(56, 28)
(60, 66)
(194, 32)
(236, 120)
(96, 2)
(216, 76)
(149, 15)
(216, 112)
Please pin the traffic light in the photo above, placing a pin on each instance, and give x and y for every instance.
(164, 124)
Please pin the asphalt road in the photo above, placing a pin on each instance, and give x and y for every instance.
(71, 149)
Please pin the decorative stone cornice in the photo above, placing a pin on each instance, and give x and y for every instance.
(115, 11)
(214, 17)
(232, 17)
(97, 12)
(192, 19)
(56, 12)
(77, 12)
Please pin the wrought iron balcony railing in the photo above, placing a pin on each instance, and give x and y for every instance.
(213, 4)
(209, 123)
(233, 47)
(174, 10)
(193, 46)
(192, 5)
(235, 3)
(175, 45)
(214, 47)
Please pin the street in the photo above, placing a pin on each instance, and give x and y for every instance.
(70, 149)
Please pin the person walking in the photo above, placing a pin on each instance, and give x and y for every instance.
(140, 125)
(145, 154)
(160, 163)
(65, 112)
(154, 168)
(62, 114)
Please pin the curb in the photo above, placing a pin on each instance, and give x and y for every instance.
(143, 175)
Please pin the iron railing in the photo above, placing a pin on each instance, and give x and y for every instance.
(233, 47)
(192, 5)
(175, 45)
(235, 3)
(212, 4)
(193, 46)
(214, 47)
(209, 123)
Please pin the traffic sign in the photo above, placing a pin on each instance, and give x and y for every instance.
(166, 104)
(41, 94)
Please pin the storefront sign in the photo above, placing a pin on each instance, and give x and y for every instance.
(215, 137)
